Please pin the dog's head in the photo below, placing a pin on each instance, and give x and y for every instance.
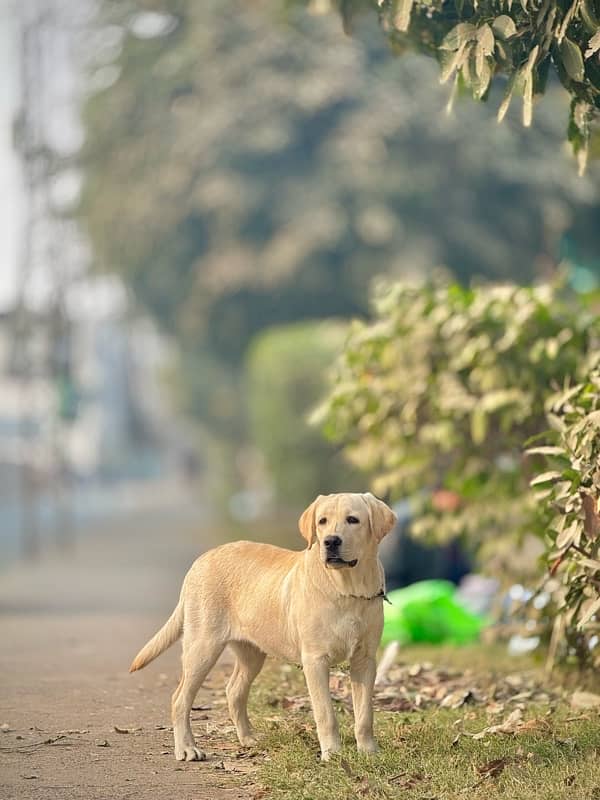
(346, 527)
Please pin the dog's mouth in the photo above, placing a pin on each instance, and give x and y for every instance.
(336, 562)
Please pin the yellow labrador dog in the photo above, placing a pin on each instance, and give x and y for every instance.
(316, 608)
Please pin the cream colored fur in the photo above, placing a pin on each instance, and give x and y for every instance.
(298, 606)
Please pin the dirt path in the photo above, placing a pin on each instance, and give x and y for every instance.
(69, 628)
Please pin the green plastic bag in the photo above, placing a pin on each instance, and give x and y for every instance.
(428, 611)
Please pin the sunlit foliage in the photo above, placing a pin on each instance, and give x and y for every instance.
(522, 40)
(568, 491)
(444, 388)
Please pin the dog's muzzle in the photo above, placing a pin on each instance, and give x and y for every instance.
(333, 559)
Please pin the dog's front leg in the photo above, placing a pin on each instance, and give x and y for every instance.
(316, 671)
(363, 667)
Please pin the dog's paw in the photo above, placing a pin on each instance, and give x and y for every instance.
(190, 754)
(368, 746)
(248, 741)
(328, 753)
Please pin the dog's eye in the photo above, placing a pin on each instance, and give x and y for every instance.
(352, 520)
(323, 520)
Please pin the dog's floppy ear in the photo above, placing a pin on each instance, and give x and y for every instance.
(381, 516)
(306, 523)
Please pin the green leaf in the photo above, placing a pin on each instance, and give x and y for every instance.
(572, 59)
(478, 425)
(485, 39)
(547, 450)
(569, 535)
(459, 35)
(504, 27)
(587, 12)
(592, 609)
(545, 477)
(455, 61)
(527, 74)
(507, 97)
(593, 45)
(483, 74)
(560, 399)
(402, 14)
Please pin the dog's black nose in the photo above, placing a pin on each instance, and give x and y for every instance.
(332, 542)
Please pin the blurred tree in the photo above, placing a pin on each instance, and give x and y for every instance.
(287, 368)
(245, 170)
(239, 174)
(477, 40)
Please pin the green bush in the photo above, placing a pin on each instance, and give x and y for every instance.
(285, 378)
(568, 492)
(444, 388)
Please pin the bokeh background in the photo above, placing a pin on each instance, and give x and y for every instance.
(197, 198)
(252, 251)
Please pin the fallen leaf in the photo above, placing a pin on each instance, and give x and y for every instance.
(585, 700)
(510, 725)
(73, 730)
(234, 766)
(515, 681)
(296, 703)
(493, 768)
(398, 704)
(569, 742)
(346, 767)
(363, 787)
(531, 725)
(456, 699)
(405, 781)
(398, 777)
(246, 754)
(520, 696)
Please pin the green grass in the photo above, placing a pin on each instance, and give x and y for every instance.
(420, 756)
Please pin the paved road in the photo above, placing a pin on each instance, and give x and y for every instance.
(69, 628)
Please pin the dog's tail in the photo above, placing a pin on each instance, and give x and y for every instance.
(166, 636)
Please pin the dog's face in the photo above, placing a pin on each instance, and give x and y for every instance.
(346, 527)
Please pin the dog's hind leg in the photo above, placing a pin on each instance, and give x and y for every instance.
(249, 662)
(198, 658)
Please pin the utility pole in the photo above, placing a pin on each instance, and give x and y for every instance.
(42, 347)
(28, 142)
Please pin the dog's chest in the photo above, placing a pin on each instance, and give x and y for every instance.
(345, 634)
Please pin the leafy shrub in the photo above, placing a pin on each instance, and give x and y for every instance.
(569, 492)
(285, 377)
(444, 388)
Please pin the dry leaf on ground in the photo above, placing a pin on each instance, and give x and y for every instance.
(585, 700)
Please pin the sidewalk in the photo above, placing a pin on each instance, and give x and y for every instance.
(69, 628)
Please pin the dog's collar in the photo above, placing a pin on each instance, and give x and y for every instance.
(381, 593)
